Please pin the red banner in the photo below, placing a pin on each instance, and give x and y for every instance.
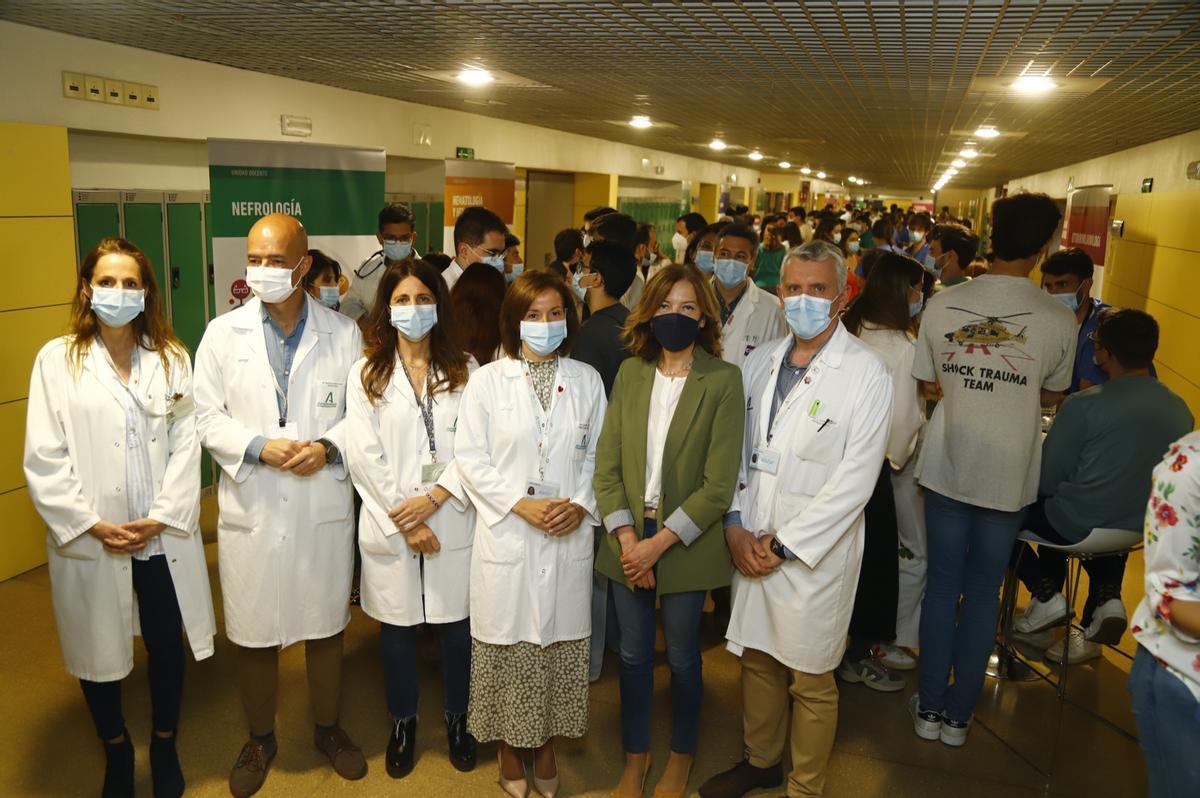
(1086, 225)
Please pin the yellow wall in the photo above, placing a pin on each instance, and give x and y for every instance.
(1155, 267)
(520, 193)
(36, 226)
(593, 190)
(710, 201)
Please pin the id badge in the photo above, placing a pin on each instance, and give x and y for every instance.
(541, 490)
(290, 430)
(765, 460)
(178, 408)
(432, 472)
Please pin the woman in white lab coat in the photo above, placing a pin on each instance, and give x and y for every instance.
(526, 451)
(112, 462)
(882, 318)
(416, 525)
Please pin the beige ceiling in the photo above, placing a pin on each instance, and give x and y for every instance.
(887, 91)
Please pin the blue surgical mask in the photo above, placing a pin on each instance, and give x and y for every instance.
(705, 260)
(917, 236)
(414, 321)
(808, 316)
(934, 265)
(544, 337)
(914, 308)
(854, 246)
(517, 269)
(648, 261)
(397, 250)
(116, 307)
(330, 295)
(730, 273)
(837, 238)
(1071, 300)
(495, 261)
(580, 291)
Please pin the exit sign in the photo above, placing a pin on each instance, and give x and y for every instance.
(465, 153)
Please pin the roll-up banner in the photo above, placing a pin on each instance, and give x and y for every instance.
(1086, 226)
(487, 183)
(335, 192)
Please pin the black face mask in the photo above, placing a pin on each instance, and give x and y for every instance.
(674, 331)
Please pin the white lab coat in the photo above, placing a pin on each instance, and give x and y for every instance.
(386, 446)
(633, 295)
(800, 613)
(285, 542)
(758, 319)
(75, 470)
(527, 586)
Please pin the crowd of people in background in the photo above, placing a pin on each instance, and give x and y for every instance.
(826, 424)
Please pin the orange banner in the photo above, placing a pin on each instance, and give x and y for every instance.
(494, 193)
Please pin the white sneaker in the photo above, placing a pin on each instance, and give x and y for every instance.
(896, 657)
(1078, 649)
(1108, 623)
(1037, 640)
(1041, 615)
(927, 724)
(954, 733)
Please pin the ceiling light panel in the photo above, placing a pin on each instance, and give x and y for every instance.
(1130, 60)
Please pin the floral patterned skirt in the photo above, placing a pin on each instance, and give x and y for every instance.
(524, 694)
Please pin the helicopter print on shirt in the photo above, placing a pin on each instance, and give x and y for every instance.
(987, 335)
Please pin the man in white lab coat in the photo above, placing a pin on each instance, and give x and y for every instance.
(750, 316)
(818, 406)
(270, 393)
(396, 236)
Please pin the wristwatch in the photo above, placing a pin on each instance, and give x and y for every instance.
(331, 450)
(777, 549)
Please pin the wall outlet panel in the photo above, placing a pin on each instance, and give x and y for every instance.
(93, 88)
(133, 95)
(72, 83)
(150, 97)
(114, 92)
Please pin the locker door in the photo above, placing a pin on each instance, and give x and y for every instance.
(143, 211)
(97, 216)
(186, 259)
(208, 260)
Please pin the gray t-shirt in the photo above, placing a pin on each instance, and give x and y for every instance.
(993, 344)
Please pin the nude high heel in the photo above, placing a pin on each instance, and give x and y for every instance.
(517, 788)
(642, 787)
(547, 788)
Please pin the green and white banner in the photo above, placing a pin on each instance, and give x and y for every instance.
(335, 192)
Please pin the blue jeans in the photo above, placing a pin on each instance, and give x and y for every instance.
(399, 646)
(1168, 724)
(969, 548)
(681, 613)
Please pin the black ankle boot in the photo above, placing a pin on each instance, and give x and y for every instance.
(462, 744)
(165, 772)
(118, 769)
(401, 748)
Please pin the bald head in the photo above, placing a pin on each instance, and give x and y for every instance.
(277, 235)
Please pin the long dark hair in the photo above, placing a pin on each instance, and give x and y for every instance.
(884, 301)
(151, 328)
(448, 363)
(476, 298)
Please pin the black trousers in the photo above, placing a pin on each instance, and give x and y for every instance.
(874, 617)
(1044, 572)
(162, 634)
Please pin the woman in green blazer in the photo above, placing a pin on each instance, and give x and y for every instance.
(666, 468)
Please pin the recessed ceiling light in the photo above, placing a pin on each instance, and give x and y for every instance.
(852, 179)
(784, 165)
(755, 156)
(1033, 84)
(717, 144)
(804, 170)
(821, 175)
(473, 76)
(952, 171)
(640, 121)
(969, 151)
(958, 162)
(987, 132)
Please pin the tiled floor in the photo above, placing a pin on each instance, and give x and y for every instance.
(1025, 741)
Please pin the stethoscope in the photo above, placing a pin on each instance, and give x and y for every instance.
(359, 272)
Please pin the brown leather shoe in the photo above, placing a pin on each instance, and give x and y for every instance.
(250, 771)
(346, 757)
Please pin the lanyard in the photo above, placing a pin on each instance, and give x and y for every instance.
(540, 419)
(426, 408)
(282, 395)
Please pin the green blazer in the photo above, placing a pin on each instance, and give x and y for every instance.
(700, 470)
